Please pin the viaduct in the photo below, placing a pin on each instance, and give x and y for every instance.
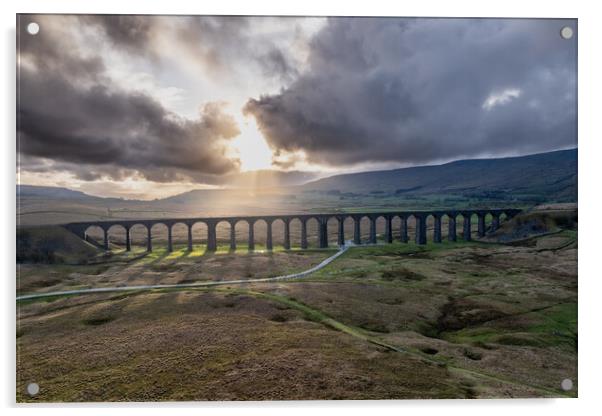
(420, 218)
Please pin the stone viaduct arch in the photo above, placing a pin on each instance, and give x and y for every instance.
(419, 217)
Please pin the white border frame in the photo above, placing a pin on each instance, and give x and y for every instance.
(589, 197)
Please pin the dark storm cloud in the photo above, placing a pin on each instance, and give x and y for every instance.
(51, 54)
(219, 43)
(70, 113)
(212, 40)
(206, 38)
(85, 172)
(131, 32)
(420, 90)
(276, 64)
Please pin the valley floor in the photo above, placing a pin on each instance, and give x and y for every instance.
(400, 321)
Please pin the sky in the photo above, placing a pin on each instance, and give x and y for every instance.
(149, 106)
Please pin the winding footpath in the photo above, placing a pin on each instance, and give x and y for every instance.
(298, 275)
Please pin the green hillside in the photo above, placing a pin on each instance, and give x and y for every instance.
(52, 244)
(546, 177)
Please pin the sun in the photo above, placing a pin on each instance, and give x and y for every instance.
(250, 146)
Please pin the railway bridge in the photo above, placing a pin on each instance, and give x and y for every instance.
(419, 217)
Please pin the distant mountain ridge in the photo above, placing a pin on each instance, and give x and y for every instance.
(552, 174)
(52, 192)
(258, 179)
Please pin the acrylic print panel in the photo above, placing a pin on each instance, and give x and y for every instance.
(295, 208)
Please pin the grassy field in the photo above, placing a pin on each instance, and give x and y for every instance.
(464, 320)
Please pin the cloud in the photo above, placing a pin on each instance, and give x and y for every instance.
(131, 32)
(276, 63)
(501, 98)
(412, 91)
(219, 45)
(70, 113)
(362, 91)
(210, 41)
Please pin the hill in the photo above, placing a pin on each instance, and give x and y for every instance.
(545, 177)
(50, 192)
(539, 220)
(52, 244)
(512, 182)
